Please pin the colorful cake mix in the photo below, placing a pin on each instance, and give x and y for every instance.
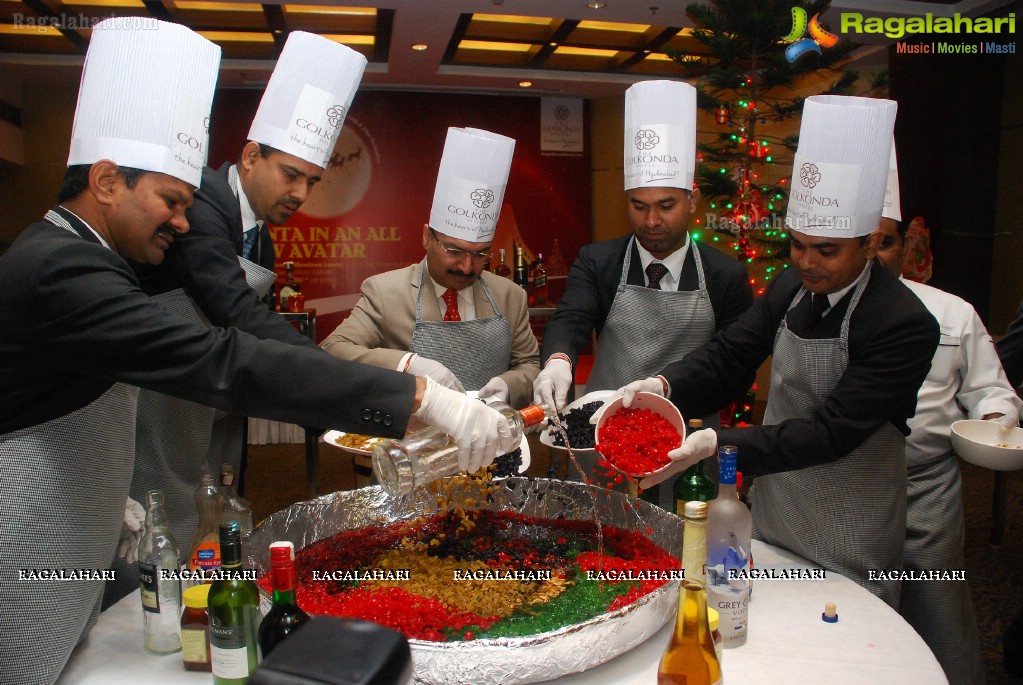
(473, 574)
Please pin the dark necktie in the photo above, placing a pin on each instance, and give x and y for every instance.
(655, 272)
(250, 241)
(451, 298)
(818, 305)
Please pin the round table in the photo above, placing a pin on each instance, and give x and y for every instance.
(788, 642)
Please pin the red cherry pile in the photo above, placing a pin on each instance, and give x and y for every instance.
(637, 441)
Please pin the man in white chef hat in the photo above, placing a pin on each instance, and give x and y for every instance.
(652, 295)
(225, 265)
(966, 381)
(447, 317)
(77, 335)
(851, 346)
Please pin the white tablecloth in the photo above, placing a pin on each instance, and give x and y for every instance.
(788, 643)
(265, 432)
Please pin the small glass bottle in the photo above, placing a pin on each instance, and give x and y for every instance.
(290, 287)
(539, 282)
(204, 556)
(693, 485)
(714, 619)
(195, 629)
(502, 268)
(285, 616)
(233, 607)
(161, 595)
(429, 454)
(233, 507)
(690, 657)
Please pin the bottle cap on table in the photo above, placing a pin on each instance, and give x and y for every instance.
(830, 614)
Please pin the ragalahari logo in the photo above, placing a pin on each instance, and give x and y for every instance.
(818, 36)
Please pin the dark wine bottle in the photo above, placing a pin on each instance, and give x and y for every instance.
(521, 276)
(234, 614)
(285, 616)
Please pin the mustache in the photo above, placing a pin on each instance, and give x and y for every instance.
(458, 272)
(167, 228)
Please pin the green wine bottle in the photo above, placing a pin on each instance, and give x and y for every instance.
(234, 614)
(693, 485)
(285, 616)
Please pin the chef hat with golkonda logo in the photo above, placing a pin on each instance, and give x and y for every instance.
(308, 97)
(471, 182)
(892, 202)
(145, 97)
(840, 169)
(660, 135)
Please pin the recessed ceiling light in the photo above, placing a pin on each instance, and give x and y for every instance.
(553, 44)
(525, 84)
(596, 4)
(419, 47)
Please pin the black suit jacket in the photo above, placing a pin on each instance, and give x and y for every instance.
(593, 281)
(204, 262)
(1010, 349)
(73, 320)
(892, 339)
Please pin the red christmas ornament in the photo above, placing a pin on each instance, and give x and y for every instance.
(723, 114)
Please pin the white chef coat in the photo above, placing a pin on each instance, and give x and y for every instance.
(966, 380)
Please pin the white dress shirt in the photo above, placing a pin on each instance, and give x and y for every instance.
(466, 300)
(673, 264)
(966, 380)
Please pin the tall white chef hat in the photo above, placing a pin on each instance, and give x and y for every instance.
(892, 201)
(471, 181)
(840, 168)
(308, 97)
(145, 98)
(660, 135)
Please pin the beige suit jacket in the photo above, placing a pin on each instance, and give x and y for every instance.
(379, 329)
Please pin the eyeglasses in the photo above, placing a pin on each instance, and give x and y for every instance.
(458, 253)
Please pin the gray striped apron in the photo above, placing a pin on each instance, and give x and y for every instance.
(940, 610)
(475, 351)
(849, 515)
(174, 438)
(646, 330)
(61, 507)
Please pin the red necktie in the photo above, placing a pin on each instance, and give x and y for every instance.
(451, 298)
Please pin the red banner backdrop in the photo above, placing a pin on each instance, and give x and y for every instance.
(366, 215)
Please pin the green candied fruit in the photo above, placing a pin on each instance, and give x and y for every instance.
(581, 601)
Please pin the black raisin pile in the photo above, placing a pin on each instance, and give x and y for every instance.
(508, 464)
(577, 424)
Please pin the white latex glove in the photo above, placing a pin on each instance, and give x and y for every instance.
(495, 389)
(697, 447)
(131, 531)
(480, 432)
(1006, 421)
(553, 383)
(652, 384)
(421, 366)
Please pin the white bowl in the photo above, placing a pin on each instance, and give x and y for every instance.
(980, 443)
(644, 400)
(547, 435)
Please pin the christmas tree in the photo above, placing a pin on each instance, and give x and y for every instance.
(747, 83)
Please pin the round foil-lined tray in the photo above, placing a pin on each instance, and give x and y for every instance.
(498, 661)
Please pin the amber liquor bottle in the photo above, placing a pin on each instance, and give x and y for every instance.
(521, 277)
(690, 658)
(502, 268)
